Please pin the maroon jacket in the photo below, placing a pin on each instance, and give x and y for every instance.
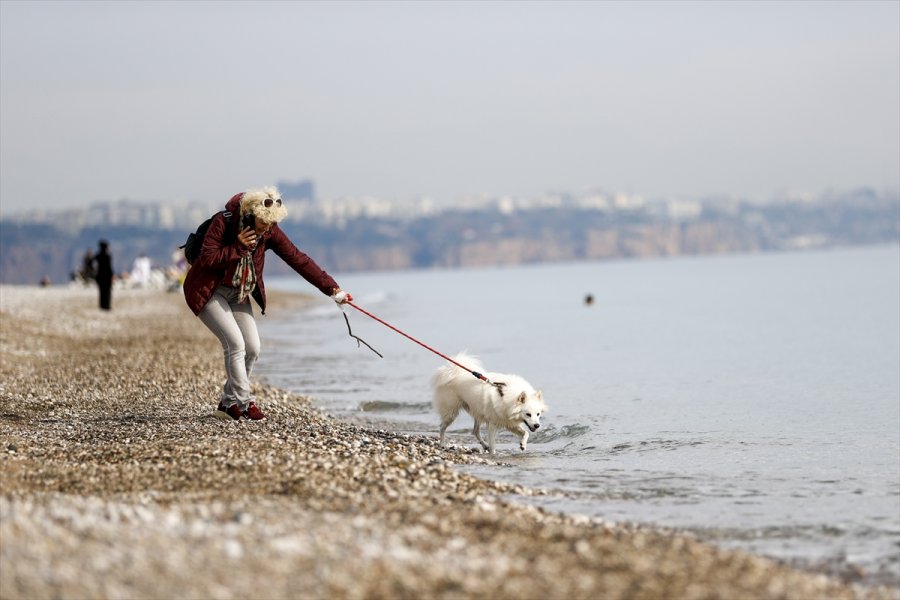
(221, 251)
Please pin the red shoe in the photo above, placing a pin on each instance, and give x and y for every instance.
(253, 412)
(233, 412)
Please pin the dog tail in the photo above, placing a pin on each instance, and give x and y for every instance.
(450, 372)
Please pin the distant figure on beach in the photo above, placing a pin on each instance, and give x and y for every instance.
(140, 270)
(228, 272)
(104, 275)
(87, 266)
(589, 300)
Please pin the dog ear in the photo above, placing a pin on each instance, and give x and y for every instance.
(522, 397)
(540, 395)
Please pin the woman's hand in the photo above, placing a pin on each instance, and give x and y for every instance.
(341, 297)
(247, 238)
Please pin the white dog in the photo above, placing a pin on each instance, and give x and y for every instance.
(511, 404)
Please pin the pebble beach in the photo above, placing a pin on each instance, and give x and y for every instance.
(116, 481)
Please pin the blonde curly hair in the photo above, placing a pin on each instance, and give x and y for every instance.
(253, 202)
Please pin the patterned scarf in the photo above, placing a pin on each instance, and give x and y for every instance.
(245, 278)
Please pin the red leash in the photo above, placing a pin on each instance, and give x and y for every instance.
(427, 347)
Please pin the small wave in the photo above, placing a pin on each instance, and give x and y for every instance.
(654, 445)
(878, 567)
(553, 433)
(376, 297)
(325, 309)
(389, 406)
(809, 531)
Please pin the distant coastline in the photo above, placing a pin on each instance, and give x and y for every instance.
(495, 233)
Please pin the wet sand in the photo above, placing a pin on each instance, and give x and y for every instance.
(116, 481)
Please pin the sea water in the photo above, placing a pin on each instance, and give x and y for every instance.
(753, 400)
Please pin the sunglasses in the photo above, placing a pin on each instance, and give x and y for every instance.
(268, 202)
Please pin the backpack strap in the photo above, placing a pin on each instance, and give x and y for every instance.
(228, 233)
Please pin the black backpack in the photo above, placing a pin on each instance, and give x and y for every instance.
(194, 242)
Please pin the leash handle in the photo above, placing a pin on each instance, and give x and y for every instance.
(426, 346)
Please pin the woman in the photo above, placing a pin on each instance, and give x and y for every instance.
(229, 271)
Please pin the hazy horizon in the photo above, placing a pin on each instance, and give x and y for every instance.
(198, 100)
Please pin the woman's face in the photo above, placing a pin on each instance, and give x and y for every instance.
(262, 227)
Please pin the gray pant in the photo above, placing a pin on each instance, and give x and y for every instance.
(235, 327)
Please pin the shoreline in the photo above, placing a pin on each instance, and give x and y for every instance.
(117, 481)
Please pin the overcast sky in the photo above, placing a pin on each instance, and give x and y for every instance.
(198, 100)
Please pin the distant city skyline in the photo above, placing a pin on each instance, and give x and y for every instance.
(194, 101)
(380, 234)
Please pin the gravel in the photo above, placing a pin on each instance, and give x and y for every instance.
(116, 481)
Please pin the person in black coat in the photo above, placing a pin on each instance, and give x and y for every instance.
(104, 275)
